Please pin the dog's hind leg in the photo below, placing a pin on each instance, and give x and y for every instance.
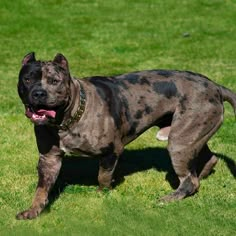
(186, 146)
(205, 163)
(184, 166)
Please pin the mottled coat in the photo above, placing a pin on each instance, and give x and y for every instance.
(98, 116)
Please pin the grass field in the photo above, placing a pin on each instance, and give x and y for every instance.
(104, 37)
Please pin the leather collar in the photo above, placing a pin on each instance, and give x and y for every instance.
(78, 114)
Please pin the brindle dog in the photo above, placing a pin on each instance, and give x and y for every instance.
(98, 116)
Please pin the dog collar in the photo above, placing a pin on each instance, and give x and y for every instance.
(77, 116)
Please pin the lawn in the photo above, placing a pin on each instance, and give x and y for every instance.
(104, 37)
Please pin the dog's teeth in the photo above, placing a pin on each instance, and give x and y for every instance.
(38, 117)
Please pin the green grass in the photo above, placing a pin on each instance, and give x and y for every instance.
(101, 37)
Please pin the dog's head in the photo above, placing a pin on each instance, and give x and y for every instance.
(44, 87)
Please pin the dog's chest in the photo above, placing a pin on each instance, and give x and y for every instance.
(82, 145)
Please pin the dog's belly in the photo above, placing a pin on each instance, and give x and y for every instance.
(75, 149)
(73, 152)
(84, 145)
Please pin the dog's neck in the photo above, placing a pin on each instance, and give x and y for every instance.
(75, 108)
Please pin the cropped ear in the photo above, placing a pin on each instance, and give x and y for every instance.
(30, 57)
(61, 61)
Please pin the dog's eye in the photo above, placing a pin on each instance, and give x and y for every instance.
(54, 81)
(27, 80)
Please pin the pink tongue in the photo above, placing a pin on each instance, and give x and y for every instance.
(42, 112)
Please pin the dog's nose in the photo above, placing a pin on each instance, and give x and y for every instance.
(39, 94)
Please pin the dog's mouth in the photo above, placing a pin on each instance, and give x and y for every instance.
(40, 115)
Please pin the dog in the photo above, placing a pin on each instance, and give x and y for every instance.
(98, 116)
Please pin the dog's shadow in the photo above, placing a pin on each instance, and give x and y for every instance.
(231, 164)
(84, 171)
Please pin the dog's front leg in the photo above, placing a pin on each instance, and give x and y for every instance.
(107, 165)
(48, 170)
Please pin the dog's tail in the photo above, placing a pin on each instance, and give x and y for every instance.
(229, 96)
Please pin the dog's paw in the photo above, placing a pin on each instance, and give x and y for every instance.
(27, 215)
(103, 189)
